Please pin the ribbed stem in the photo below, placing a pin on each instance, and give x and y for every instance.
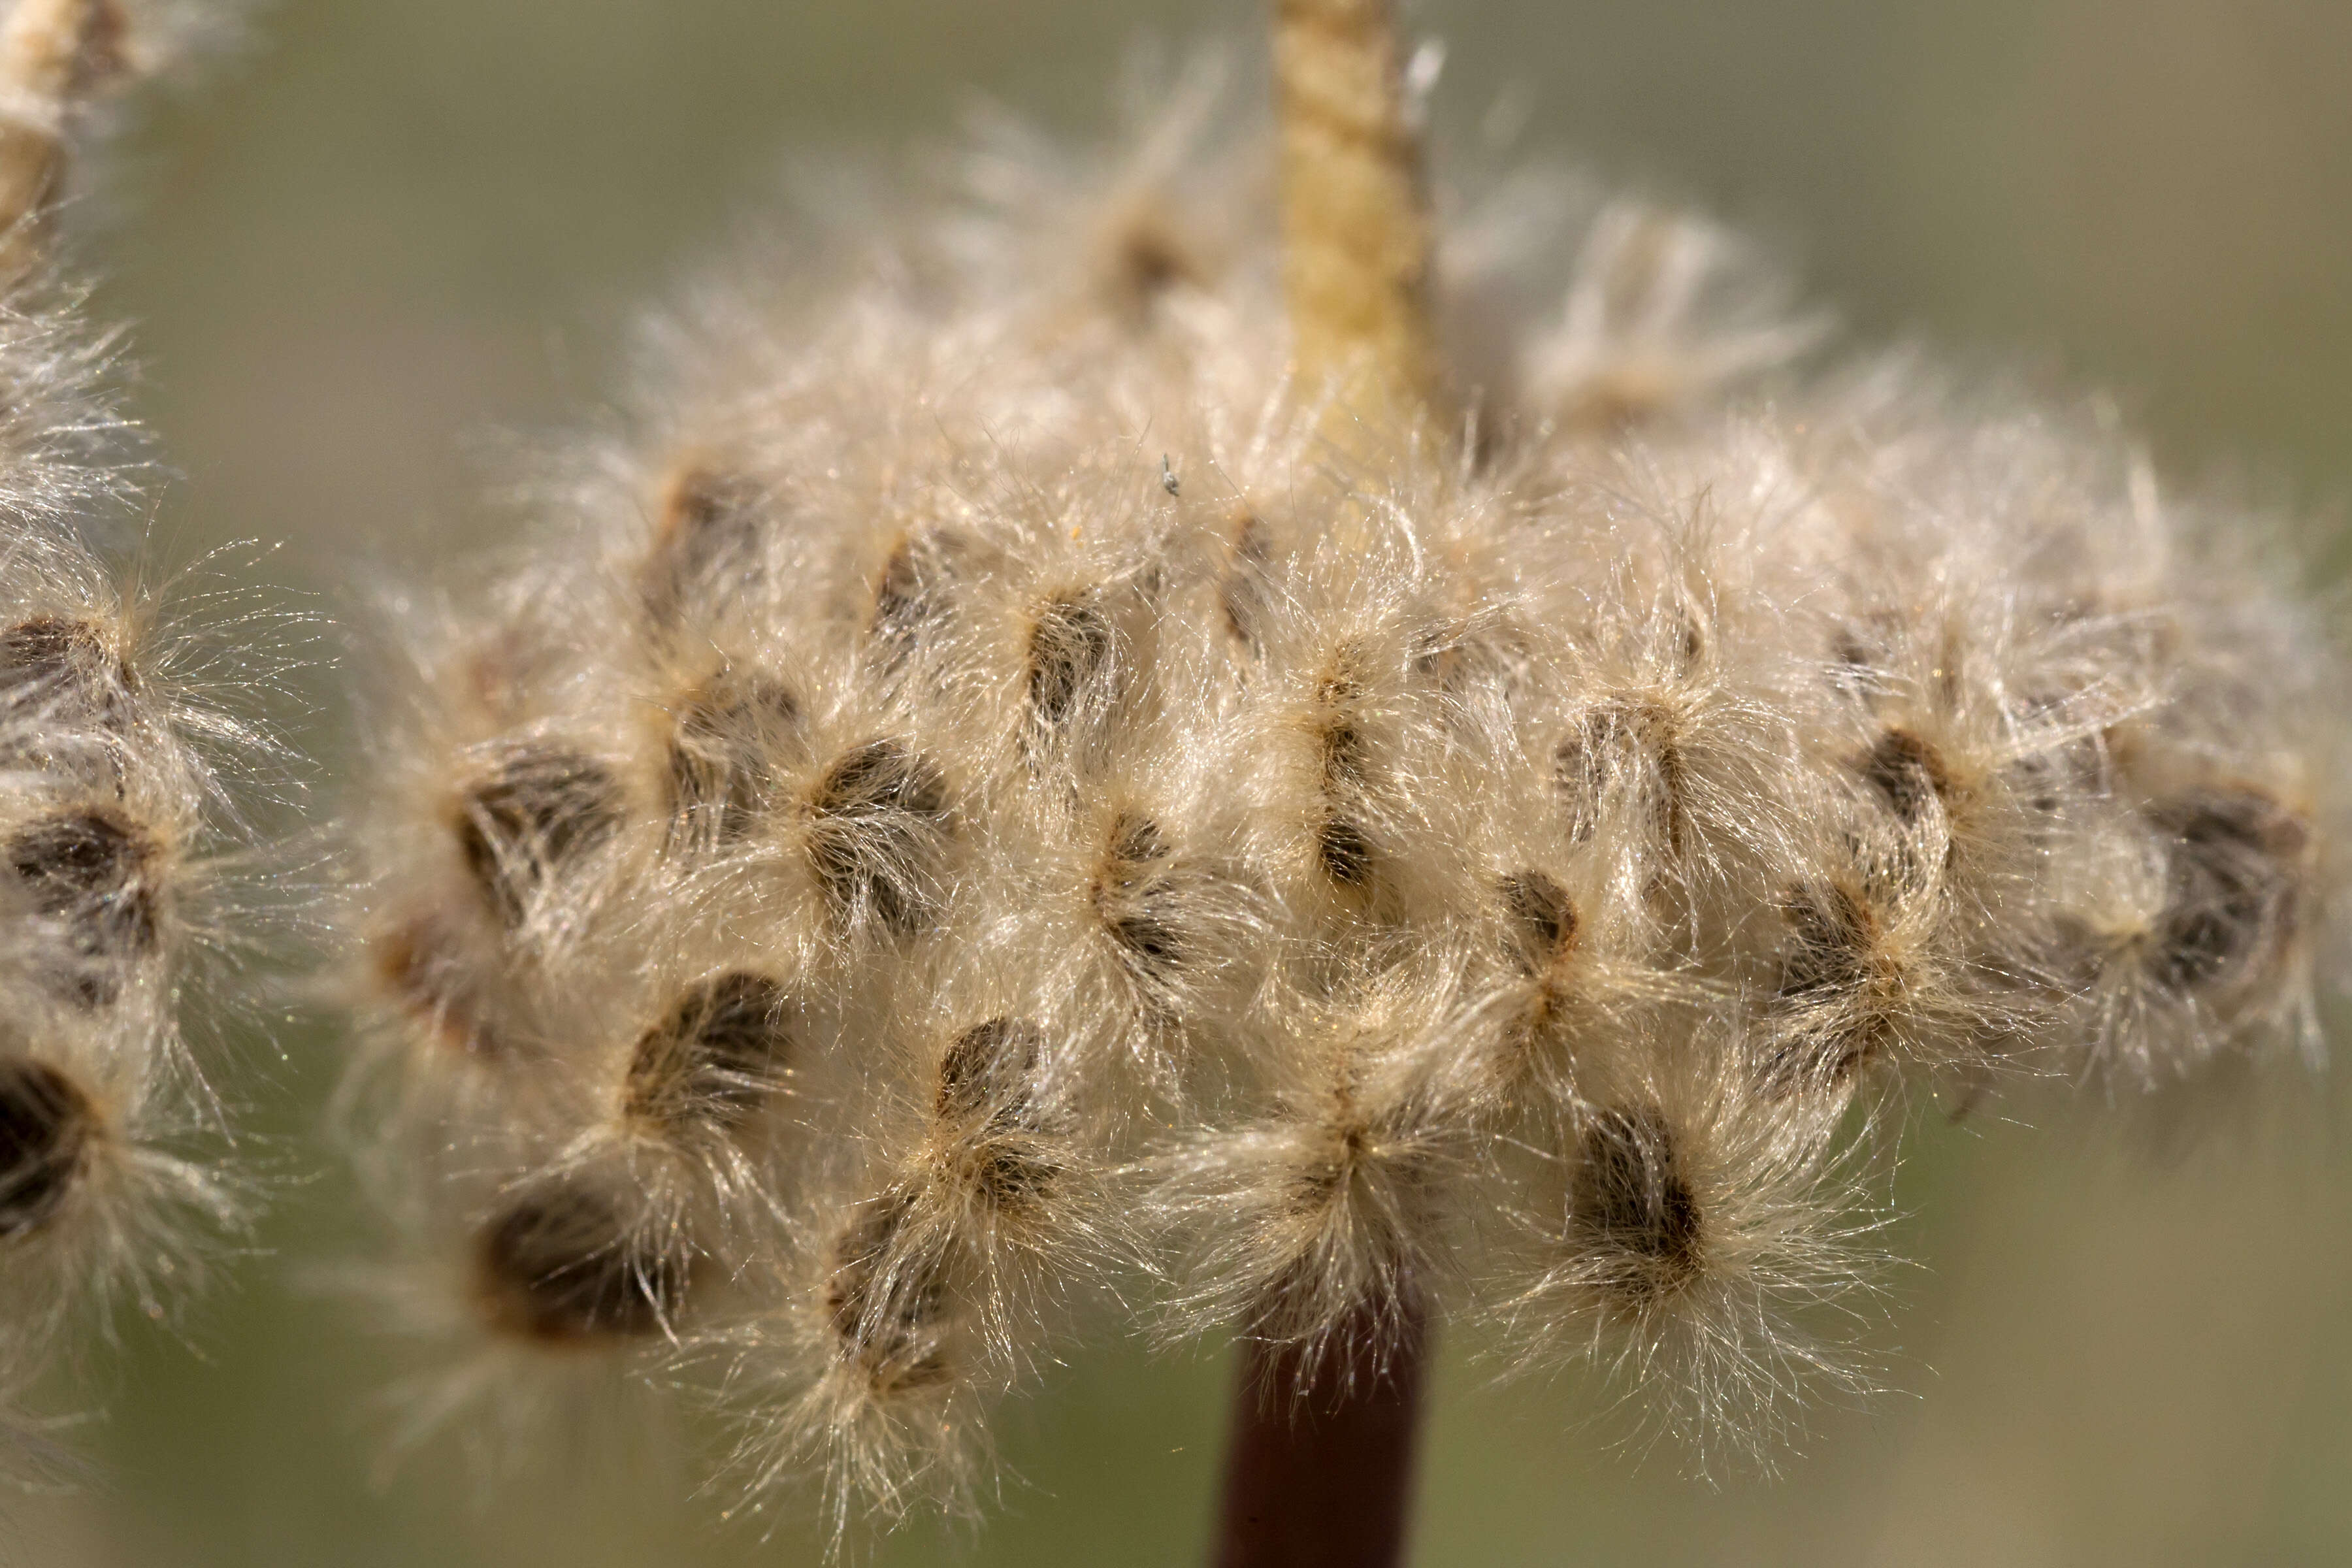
(1356, 228)
(1320, 1475)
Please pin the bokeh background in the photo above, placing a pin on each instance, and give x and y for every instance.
(383, 231)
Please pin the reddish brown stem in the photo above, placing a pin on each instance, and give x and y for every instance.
(1320, 1476)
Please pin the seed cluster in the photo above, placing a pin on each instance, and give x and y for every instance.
(119, 765)
(976, 813)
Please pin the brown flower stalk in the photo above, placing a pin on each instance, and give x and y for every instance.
(1319, 1466)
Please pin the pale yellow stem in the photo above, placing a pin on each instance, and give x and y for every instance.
(52, 54)
(1356, 228)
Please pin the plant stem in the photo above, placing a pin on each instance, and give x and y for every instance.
(1355, 229)
(1318, 1470)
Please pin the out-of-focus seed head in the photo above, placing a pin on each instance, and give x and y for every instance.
(132, 771)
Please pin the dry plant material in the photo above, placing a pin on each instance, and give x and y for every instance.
(1044, 770)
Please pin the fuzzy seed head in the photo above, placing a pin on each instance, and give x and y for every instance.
(947, 871)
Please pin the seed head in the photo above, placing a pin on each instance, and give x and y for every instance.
(908, 866)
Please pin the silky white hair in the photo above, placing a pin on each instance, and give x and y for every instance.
(970, 820)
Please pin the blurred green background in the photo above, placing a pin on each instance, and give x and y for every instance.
(387, 229)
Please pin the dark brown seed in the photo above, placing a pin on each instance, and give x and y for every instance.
(1245, 587)
(47, 1127)
(542, 809)
(1143, 258)
(66, 698)
(719, 754)
(881, 776)
(560, 1266)
(96, 873)
(1820, 1040)
(1833, 932)
(1346, 751)
(1148, 260)
(989, 1073)
(1135, 903)
(1346, 756)
(1070, 653)
(104, 54)
(1136, 840)
(2058, 771)
(885, 1311)
(714, 1055)
(1008, 1171)
(1866, 651)
(1629, 747)
(1148, 940)
(1674, 787)
(988, 1095)
(705, 542)
(1817, 1060)
(1908, 772)
(1463, 659)
(1344, 852)
(1694, 639)
(1855, 662)
(1342, 847)
(1631, 1199)
(52, 663)
(419, 966)
(2041, 780)
(898, 595)
(1578, 775)
(2233, 886)
(1438, 655)
(1543, 918)
(878, 814)
(89, 866)
(912, 592)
